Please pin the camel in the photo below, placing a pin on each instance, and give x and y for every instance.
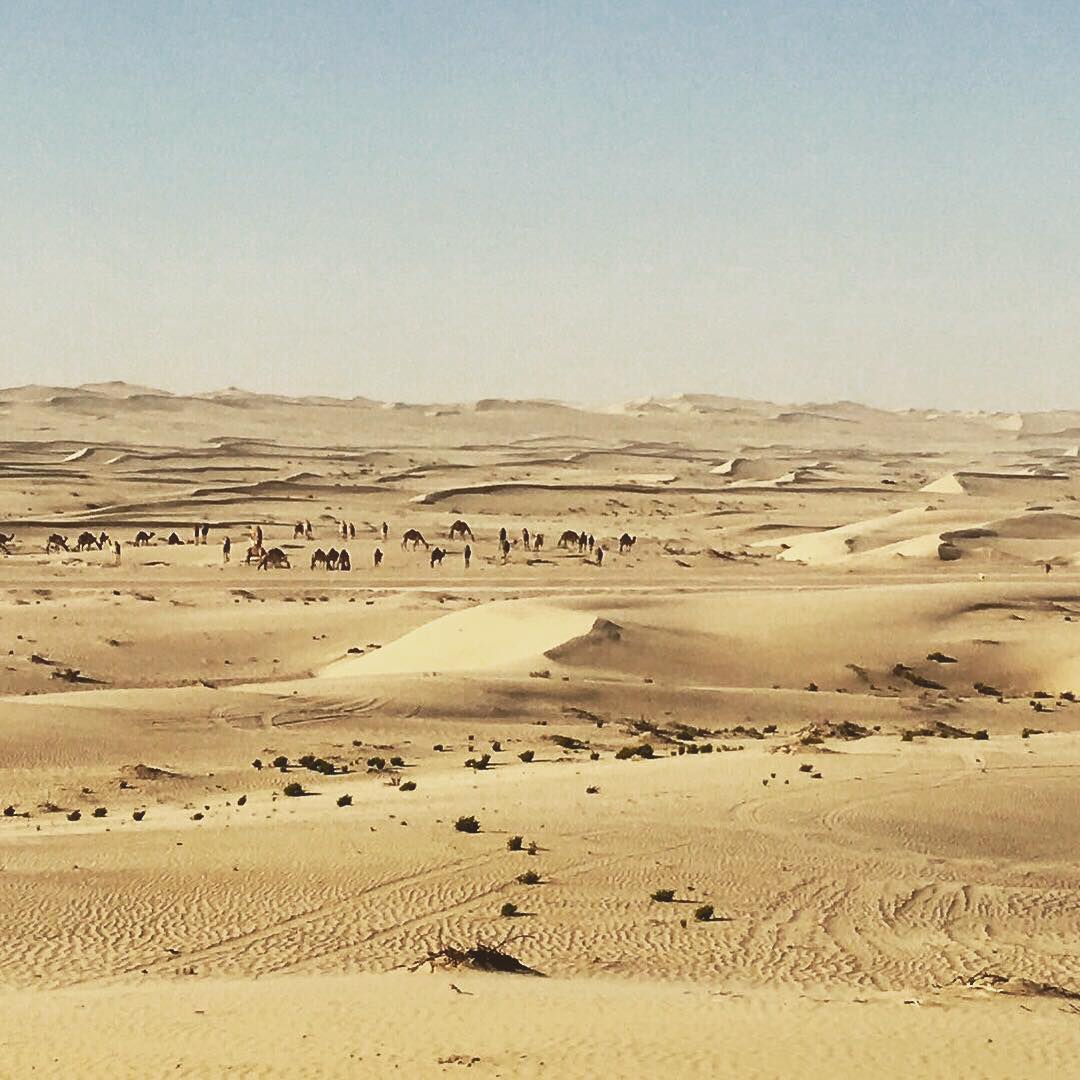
(505, 548)
(5, 539)
(437, 556)
(143, 538)
(56, 542)
(568, 539)
(626, 542)
(102, 540)
(173, 540)
(254, 554)
(87, 540)
(460, 528)
(274, 559)
(298, 531)
(332, 557)
(414, 536)
(318, 558)
(538, 541)
(344, 562)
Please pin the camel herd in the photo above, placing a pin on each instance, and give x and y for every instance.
(333, 559)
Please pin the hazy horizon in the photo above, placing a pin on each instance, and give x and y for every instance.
(797, 203)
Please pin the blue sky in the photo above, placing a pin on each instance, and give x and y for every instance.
(431, 201)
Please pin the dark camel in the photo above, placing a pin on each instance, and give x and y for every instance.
(437, 556)
(173, 540)
(344, 562)
(332, 557)
(414, 537)
(460, 528)
(626, 542)
(88, 540)
(298, 531)
(538, 542)
(254, 554)
(143, 538)
(318, 558)
(568, 539)
(274, 559)
(56, 542)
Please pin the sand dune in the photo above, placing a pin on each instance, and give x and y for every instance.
(794, 775)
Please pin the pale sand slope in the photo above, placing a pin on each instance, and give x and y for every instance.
(384, 1025)
(860, 885)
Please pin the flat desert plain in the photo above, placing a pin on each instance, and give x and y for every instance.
(787, 787)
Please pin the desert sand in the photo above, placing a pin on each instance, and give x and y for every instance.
(788, 788)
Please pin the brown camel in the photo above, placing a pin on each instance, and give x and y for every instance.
(102, 540)
(88, 540)
(437, 556)
(298, 531)
(56, 542)
(568, 539)
(274, 559)
(538, 542)
(143, 538)
(460, 528)
(415, 537)
(5, 539)
(626, 542)
(173, 540)
(332, 557)
(318, 558)
(254, 554)
(344, 562)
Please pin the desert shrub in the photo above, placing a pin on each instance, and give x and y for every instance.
(982, 735)
(593, 790)
(704, 913)
(257, 763)
(467, 824)
(595, 755)
(806, 768)
(138, 815)
(515, 843)
(707, 748)
(481, 762)
(198, 816)
(9, 811)
(100, 811)
(74, 815)
(527, 755)
(508, 910)
(530, 877)
(663, 896)
(408, 785)
(533, 848)
(280, 762)
(376, 764)
(438, 748)
(294, 790)
(624, 753)
(398, 762)
(344, 800)
(496, 746)
(307, 761)
(567, 742)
